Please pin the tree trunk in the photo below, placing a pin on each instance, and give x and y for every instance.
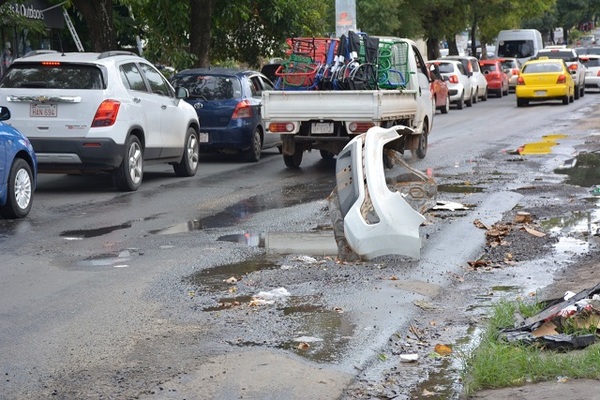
(452, 46)
(433, 48)
(200, 25)
(474, 40)
(98, 15)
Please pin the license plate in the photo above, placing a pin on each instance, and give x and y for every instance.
(43, 110)
(321, 127)
(540, 93)
(203, 137)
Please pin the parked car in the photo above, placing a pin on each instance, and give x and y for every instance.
(591, 63)
(511, 66)
(496, 76)
(111, 112)
(543, 79)
(576, 68)
(439, 89)
(478, 81)
(458, 82)
(18, 170)
(228, 103)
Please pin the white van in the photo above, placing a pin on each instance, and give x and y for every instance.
(519, 43)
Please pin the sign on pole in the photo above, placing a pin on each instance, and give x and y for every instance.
(345, 17)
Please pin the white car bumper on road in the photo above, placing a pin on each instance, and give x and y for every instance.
(377, 221)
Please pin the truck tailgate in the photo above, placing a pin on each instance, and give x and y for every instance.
(350, 105)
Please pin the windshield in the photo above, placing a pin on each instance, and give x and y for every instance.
(209, 87)
(516, 48)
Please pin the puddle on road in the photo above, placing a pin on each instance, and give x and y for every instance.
(115, 260)
(576, 232)
(81, 234)
(542, 147)
(214, 279)
(459, 189)
(445, 382)
(583, 171)
(245, 209)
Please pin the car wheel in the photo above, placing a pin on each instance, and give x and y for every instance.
(421, 150)
(253, 153)
(566, 100)
(469, 102)
(475, 96)
(294, 160)
(326, 155)
(485, 95)
(189, 161)
(521, 102)
(128, 176)
(500, 93)
(460, 104)
(577, 92)
(19, 196)
(582, 91)
(446, 107)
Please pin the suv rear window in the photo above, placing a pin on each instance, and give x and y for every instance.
(64, 76)
(210, 87)
(590, 62)
(565, 55)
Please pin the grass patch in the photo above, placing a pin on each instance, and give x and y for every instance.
(497, 364)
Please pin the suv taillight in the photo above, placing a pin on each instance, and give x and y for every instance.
(573, 67)
(453, 79)
(106, 113)
(242, 110)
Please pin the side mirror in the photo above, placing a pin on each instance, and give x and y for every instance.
(182, 93)
(4, 113)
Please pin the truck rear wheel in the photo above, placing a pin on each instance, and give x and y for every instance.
(326, 155)
(294, 160)
(421, 150)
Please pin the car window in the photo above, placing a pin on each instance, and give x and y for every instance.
(564, 55)
(209, 87)
(157, 84)
(446, 68)
(516, 48)
(267, 84)
(132, 77)
(475, 66)
(488, 68)
(590, 62)
(461, 69)
(255, 86)
(542, 67)
(55, 76)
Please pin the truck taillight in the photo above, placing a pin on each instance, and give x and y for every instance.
(106, 114)
(281, 127)
(242, 110)
(561, 79)
(360, 127)
(453, 79)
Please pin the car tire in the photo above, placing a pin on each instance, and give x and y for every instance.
(326, 155)
(460, 104)
(421, 151)
(191, 154)
(500, 93)
(475, 96)
(128, 176)
(446, 106)
(522, 103)
(582, 91)
(294, 160)
(577, 92)
(253, 153)
(485, 95)
(469, 103)
(19, 190)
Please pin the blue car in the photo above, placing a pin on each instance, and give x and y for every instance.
(228, 103)
(18, 170)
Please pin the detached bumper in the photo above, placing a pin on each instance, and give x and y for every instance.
(377, 221)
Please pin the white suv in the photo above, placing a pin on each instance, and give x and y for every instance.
(111, 112)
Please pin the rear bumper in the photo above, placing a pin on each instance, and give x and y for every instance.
(230, 137)
(65, 154)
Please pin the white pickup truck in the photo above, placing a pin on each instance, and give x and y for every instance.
(328, 119)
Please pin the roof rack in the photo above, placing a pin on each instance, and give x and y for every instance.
(38, 52)
(112, 53)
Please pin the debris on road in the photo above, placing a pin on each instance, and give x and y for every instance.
(577, 314)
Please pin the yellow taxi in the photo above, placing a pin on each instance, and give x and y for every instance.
(544, 79)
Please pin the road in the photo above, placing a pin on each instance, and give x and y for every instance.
(121, 295)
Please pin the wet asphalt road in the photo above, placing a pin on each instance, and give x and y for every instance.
(112, 295)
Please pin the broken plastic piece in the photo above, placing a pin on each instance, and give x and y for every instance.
(377, 221)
